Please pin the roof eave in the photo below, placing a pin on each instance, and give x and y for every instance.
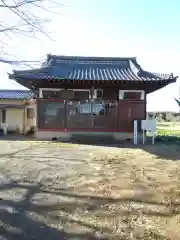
(161, 84)
(172, 79)
(16, 77)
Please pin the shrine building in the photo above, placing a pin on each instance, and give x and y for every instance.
(97, 96)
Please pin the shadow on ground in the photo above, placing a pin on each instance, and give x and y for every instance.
(164, 147)
(27, 219)
(18, 224)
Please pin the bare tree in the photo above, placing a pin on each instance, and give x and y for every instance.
(24, 17)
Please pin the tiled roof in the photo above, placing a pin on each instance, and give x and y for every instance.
(11, 106)
(16, 94)
(91, 68)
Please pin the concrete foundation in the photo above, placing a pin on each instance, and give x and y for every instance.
(85, 136)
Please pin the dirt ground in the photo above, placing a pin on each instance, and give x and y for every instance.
(65, 191)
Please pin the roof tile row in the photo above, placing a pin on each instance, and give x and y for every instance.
(16, 94)
(91, 68)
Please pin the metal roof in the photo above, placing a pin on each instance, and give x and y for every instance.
(16, 94)
(91, 68)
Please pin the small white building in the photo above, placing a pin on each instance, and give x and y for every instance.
(17, 110)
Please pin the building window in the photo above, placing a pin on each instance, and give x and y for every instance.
(81, 95)
(88, 94)
(131, 94)
(76, 94)
(3, 111)
(30, 113)
(51, 94)
(63, 94)
(47, 93)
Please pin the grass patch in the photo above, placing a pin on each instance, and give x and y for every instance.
(167, 135)
(167, 132)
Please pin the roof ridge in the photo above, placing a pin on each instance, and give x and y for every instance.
(95, 58)
(30, 70)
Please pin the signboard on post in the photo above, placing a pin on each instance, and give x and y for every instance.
(150, 126)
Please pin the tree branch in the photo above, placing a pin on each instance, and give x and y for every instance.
(23, 22)
(17, 5)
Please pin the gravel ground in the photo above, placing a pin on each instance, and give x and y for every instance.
(66, 191)
(29, 171)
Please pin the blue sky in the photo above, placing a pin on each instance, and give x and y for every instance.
(148, 30)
